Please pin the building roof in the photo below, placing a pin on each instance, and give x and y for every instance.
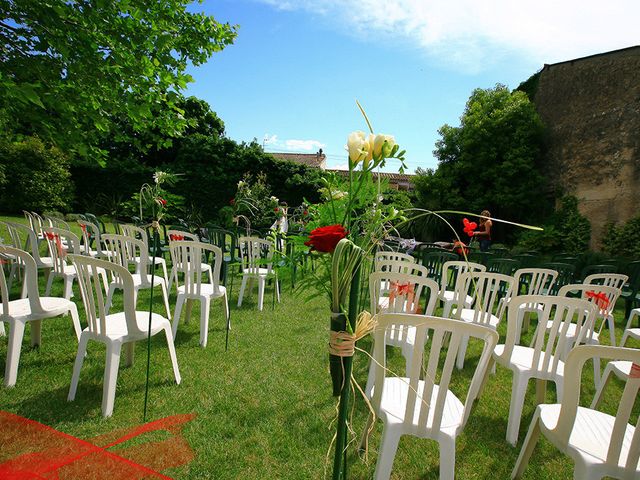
(309, 159)
(634, 47)
(391, 176)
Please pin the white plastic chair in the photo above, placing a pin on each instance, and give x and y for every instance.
(486, 289)
(415, 405)
(123, 250)
(544, 360)
(186, 257)
(383, 256)
(256, 256)
(616, 280)
(116, 329)
(629, 331)
(401, 266)
(450, 272)
(179, 236)
(61, 242)
(141, 234)
(537, 281)
(600, 444)
(33, 309)
(91, 231)
(400, 293)
(18, 230)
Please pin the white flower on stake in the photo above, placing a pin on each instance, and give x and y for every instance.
(358, 147)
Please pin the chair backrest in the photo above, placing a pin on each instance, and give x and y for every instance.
(383, 256)
(404, 293)
(180, 235)
(486, 289)
(123, 250)
(553, 338)
(40, 223)
(14, 236)
(33, 223)
(186, 257)
(602, 296)
(434, 261)
(438, 366)
(31, 243)
(256, 254)
(601, 268)
(30, 279)
(90, 231)
(527, 260)
(620, 432)
(400, 266)
(453, 268)
(506, 266)
(96, 221)
(60, 242)
(566, 274)
(616, 280)
(56, 222)
(135, 232)
(534, 281)
(93, 296)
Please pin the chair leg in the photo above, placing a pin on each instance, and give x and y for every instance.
(36, 333)
(612, 330)
(47, 291)
(528, 446)
(16, 335)
(109, 298)
(2, 332)
(205, 303)
(171, 277)
(447, 458)
(129, 353)
(165, 296)
(75, 318)
(77, 366)
(387, 453)
(462, 350)
(242, 287)
(172, 354)
(518, 391)
(68, 287)
(261, 282)
(604, 381)
(112, 364)
(176, 314)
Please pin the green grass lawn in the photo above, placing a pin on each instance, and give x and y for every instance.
(264, 408)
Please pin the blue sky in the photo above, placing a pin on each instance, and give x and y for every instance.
(292, 77)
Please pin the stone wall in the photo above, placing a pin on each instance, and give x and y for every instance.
(591, 107)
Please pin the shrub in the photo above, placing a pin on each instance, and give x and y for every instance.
(623, 240)
(566, 230)
(38, 177)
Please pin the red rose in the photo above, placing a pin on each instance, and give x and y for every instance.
(305, 213)
(232, 201)
(325, 239)
(161, 201)
(276, 210)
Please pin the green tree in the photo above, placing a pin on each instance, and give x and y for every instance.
(39, 177)
(71, 71)
(491, 161)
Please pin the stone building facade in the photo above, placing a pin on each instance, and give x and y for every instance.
(591, 107)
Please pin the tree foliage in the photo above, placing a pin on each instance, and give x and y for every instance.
(491, 161)
(72, 71)
(37, 177)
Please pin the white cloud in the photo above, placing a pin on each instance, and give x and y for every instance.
(306, 145)
(292, 145)
(473, 33)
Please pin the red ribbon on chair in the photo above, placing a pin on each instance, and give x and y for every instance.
(176, 238)
(635, 371)
(600, 299)
(54, 236)
(401, 289)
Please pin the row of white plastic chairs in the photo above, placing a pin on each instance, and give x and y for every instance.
(415, 405)
(112, 270)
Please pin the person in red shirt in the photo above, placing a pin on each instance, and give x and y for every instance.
(484, 231)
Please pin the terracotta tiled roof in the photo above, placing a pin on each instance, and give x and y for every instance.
(309, 159)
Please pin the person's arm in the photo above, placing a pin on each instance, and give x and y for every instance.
(486, 232)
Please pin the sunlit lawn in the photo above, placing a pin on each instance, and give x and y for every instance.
(264, 407)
